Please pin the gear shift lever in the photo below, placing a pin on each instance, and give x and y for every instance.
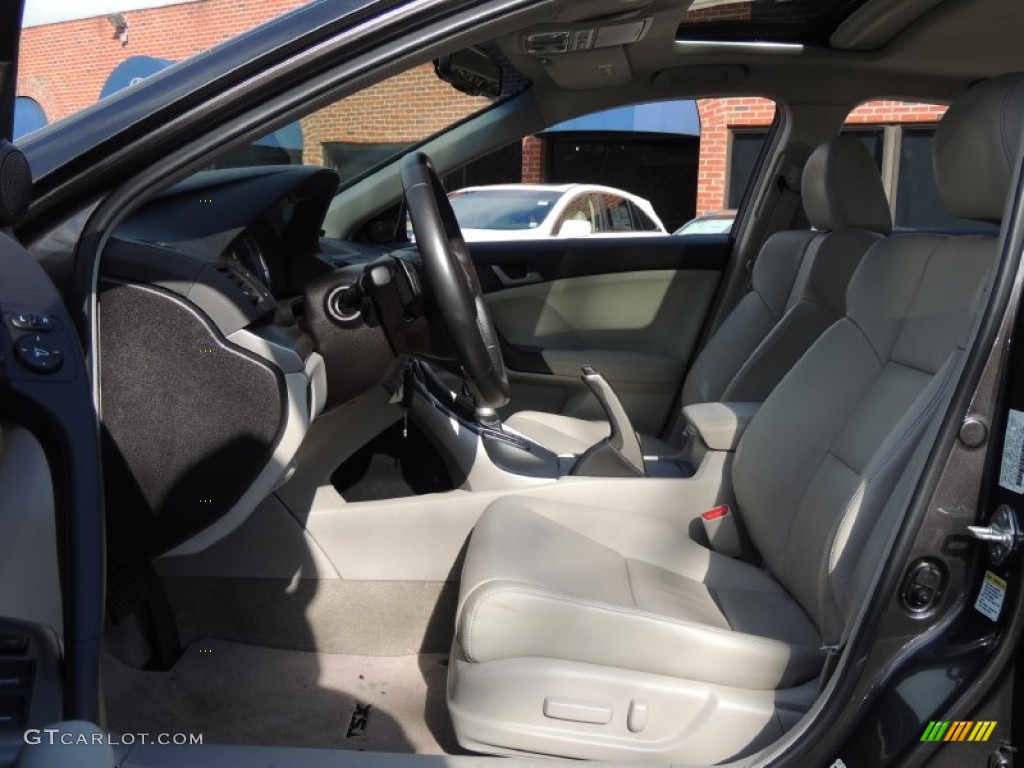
(620, 453)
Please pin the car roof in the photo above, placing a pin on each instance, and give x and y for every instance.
(873, 49)
(560, 188)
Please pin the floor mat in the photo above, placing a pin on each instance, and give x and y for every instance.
(393, 466)
(242, 694)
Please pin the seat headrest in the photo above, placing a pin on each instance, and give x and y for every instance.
(15, 184)
(976, 148)
(842, 188)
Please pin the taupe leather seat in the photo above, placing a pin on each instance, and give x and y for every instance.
(798, 289)
(607, 634)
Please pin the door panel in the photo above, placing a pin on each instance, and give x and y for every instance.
(633, 308)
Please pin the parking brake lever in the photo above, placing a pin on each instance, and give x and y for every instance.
(620, 453)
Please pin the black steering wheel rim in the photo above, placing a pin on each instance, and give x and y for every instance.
(453, 279)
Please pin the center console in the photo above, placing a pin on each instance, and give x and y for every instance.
(493, 456)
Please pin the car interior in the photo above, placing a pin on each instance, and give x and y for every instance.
(609, 499)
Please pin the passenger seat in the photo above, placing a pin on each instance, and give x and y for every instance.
(610, 634)
(798, 290)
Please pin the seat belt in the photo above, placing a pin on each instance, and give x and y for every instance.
(904, 488)
(898, 498)
(788, 206)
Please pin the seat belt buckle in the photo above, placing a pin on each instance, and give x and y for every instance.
(720, 529)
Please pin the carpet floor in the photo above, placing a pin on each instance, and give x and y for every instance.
(242, 694)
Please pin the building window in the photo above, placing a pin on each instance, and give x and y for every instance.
(744, 150)
(918, 205)
(873, 139)
(503, 166)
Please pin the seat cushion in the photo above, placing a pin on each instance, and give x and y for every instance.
(563, 581)
(569, 435)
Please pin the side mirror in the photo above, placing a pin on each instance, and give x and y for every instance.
(575, 228)
(472, 71)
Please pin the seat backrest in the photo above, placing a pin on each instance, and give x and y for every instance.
(799, 282)
(821, 457)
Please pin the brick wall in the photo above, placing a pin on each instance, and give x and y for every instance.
(405, 108)
(63, 66)
(533, 160)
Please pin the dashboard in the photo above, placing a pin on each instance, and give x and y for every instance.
(210, 376)
(236, 243)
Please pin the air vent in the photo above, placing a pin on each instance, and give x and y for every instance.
(246, 282)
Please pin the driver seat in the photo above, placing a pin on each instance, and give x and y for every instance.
(608, 634)
(798, 289)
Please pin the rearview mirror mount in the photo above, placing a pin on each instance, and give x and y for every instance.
(472, 71)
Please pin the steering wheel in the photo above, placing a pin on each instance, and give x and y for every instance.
(452, 277)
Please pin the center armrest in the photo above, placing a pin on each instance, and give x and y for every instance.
(720, 425)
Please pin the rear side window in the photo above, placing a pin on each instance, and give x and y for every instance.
(918, 205)
(619, 219)
(581, 208)
(641, 221)
(901, 136)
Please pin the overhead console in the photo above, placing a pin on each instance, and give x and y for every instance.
(583, 37)
(582, 55)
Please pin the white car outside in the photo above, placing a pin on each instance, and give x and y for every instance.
(538, 211)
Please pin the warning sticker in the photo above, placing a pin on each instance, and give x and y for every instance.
(1011, 474)
(990, 599)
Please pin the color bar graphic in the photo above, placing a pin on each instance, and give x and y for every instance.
(958, 730)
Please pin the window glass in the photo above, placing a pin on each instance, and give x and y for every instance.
(378, 124)
(918, 205)
(641, 221)
(784, 21)
(662, 169)
(73, 53)
(28, 116)
(506, 209)
(873, 140)
(503, 166)
(582, 208)
(617, 209)
(746, 149)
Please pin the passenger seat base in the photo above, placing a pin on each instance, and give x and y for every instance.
(652, 717)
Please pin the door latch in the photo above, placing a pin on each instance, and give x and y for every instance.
(1002, 533)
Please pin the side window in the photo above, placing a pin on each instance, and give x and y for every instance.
(691, 160)
(617, 209)
(733, 134)
(581, 217)
(900, 136)
(746, 145)
(918, 205)
(641, 221)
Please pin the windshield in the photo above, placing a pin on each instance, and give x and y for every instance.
(707, 225)
(502, 208)
(75, 54)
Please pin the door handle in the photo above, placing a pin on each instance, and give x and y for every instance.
(530, 275)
